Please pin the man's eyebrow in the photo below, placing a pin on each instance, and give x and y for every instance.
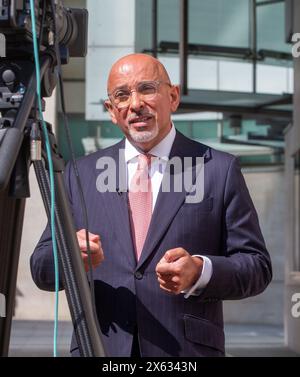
(124, 86)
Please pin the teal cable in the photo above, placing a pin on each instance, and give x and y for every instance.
(51, 174)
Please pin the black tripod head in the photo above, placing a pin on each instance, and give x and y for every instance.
(70, 27)
(54, 22)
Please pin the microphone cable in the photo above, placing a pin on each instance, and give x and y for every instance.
(51, 172)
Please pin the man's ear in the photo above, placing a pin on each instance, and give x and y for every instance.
(110, 108)
(175, 97)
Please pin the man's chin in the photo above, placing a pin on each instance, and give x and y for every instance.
(142, 136)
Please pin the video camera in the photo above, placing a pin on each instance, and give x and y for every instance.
(15, 26)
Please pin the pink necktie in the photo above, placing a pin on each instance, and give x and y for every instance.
(140, 203)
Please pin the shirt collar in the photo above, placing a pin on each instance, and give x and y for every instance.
(161, 150)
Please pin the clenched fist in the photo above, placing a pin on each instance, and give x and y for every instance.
(97, 255)
(178, 270)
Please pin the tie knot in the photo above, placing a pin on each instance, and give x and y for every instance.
(144, 161)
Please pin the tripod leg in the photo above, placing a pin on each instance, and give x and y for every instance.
(74, 276)
(12, 207)
(11, 224)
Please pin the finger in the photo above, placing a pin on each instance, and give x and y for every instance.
(80, 232)
(93, 237)
(164, 280)
(164, 276)
(84, 241)
(95, 259)
(164, 269)
(168, 269)
(94, 247)
(93, 252)
(97, 254)
(168, 277)
(173, 254)
(171, 288)
(167, 284)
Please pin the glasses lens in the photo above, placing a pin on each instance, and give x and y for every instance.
(121, 96)
(147, 88)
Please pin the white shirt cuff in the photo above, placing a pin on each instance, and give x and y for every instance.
(203, 280)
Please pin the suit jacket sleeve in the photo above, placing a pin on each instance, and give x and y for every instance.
(243, 267)
(42, 260)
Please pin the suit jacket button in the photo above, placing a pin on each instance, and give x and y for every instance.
(138, 275)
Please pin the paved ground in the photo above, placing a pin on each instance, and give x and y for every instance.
(256, 341)
(34, 338)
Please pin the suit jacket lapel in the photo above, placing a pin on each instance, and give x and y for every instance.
(116, 204)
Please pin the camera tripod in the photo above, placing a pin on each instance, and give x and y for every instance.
(20, 128)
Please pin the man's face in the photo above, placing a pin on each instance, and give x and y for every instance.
(146, 120)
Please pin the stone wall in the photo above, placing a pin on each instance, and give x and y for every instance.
(267, 189)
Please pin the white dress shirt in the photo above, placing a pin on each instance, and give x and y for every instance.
(161, 153)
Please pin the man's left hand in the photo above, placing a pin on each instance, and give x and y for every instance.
(178, 270)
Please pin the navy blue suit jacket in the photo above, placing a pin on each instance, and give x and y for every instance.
(224, 226)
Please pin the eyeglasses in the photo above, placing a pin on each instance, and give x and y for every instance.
(147, 90)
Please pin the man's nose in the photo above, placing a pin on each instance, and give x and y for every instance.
(136, 101)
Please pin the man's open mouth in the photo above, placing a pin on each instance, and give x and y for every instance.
(140, 119)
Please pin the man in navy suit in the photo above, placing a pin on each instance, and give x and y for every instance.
(162, 264)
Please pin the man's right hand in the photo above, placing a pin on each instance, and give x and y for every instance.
(97, 255)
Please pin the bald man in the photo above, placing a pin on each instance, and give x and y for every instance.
(163, 263)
